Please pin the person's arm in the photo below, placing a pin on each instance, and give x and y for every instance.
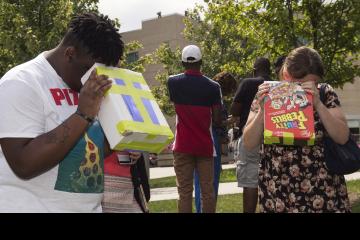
(236, 105)
(30, 157)
(216, 108)
(334, 122)
(332, 118)
(216, 115)
(254, 128)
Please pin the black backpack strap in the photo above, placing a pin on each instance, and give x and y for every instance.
(141, 184)
(322, 93)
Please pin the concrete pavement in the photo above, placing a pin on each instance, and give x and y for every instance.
(160, 172)
(158, 194)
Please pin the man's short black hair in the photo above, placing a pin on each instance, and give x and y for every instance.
(279, 62)
(99, 36)
(192, 65)
(262, 66)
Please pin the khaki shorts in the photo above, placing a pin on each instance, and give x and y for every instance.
(247, 166)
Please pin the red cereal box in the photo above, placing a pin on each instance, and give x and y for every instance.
(289, 115)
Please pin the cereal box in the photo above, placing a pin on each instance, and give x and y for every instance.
(129, 115)
(289, 116)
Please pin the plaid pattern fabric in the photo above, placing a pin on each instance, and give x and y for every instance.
(119, 195)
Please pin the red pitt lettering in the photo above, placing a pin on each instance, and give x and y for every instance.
(58, 95)
(65, 94)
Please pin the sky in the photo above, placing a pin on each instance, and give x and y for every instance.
(131, 12)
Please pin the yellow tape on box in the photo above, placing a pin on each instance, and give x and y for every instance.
(129, 115)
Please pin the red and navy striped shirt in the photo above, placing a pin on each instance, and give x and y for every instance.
(194, 96)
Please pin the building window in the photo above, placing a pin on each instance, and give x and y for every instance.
(355, 134)
(132, 57)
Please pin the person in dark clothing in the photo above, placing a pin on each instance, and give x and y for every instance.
(140, 181)
(219, 134)
(248, 161)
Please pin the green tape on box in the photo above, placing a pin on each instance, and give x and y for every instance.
(149, 128)
(288, 138)
(269, 138)
(121, 73)
(149, 147)
(311, 141)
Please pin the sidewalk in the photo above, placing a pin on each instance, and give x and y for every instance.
(160, 172)
(158, 194)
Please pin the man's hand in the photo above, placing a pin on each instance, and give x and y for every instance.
(92, 93)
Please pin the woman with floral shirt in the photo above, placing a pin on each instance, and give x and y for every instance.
(295, 178)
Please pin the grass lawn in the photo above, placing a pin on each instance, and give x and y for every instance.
(354, 187)
(227, 175)
(232, 203)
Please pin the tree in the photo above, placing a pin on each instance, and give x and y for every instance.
(172, 65)
(233, 33)
(239, 31)
(225, 34)
(330, 27)
(30, 27)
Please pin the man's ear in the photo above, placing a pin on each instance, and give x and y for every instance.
(69, 54)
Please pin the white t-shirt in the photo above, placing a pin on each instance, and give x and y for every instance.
(33, 101)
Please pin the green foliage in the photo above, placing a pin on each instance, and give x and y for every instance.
(233, 33)
(330, 27)
(85, 6)
(27, 27)
(30, 27)
(225, 36)
(171, 61)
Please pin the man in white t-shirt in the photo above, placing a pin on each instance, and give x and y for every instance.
(52, 149)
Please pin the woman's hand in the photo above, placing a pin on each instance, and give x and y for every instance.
(311, 87)
(263, 90)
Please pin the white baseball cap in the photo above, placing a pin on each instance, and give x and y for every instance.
(191, 54)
